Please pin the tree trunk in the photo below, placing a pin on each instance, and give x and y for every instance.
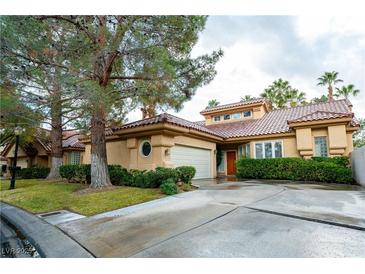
(330, 93)
(99, 163)
(56, 136)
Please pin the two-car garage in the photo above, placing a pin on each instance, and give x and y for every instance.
(199, 158)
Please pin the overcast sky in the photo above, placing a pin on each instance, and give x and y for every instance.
(261, 49)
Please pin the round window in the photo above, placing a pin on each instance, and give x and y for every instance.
(146, 148)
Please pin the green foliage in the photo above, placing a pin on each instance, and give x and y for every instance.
(247, 98)
(322, 99)
(212, 103)
(14, 112)
(338, 160)
(186, 173)
(329, 78)
(152, 178)
(75, 173)
(281, 95)
(168, 187)
(359, 136)
(121, 176)
(295, 169)
(346, 91)
(35, 172)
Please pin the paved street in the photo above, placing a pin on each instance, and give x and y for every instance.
(234, 219)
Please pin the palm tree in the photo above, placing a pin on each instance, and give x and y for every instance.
(295, 97)
(346, 91)
(247, 98)
(212, 103)
(329, 79)
(322, 99)
(281, 95)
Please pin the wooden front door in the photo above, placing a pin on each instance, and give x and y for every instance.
(231, 159)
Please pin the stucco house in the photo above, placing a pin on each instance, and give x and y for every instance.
(249, 128)
(38, 152)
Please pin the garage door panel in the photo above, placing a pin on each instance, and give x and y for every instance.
(190, 156)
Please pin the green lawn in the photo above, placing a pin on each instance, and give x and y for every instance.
(38, 196)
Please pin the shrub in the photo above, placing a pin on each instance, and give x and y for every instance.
(76, 173)
(164, 173)
(338, 160)
(168, 187)
(35, 172)
(294, 169)
(119, 176)
(186, 173)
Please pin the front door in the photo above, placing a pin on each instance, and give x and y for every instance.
(231, 159)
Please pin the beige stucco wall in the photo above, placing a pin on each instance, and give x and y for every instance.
(338, 140)
(87, 154)
(10, 152)
(117, 153)
(127, 152)
(289, 145)
(257, 112)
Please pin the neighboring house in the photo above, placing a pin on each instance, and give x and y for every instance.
(243, 129)
(39, 151)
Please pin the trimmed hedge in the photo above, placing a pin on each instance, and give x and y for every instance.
(297, 169)
(76, 173)
(338, 160)
(35, 172)
(136, 178)
(186, 173)
(168, 187)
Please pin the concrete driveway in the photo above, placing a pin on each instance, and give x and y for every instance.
(233, 219)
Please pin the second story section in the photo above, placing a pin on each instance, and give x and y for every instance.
(244, 110)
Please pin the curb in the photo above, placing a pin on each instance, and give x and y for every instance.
(49, 241)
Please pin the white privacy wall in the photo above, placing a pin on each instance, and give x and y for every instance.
(358, 165)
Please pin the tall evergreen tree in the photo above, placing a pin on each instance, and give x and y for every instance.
(113, 53)
(35, 54)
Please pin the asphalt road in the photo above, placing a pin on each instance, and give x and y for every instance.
(231, 220)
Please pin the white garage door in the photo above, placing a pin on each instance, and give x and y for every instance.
(191, 156)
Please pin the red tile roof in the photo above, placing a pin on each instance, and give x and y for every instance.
(273, 122)
(320, 115)
(237, 104)
(167, 118)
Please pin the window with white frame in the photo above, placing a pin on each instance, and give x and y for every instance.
(320, 146)
(236, 115)
(75, 158)
(247, 113)
(217, 118)
(244, 151)
(227, 117)
(269, 149)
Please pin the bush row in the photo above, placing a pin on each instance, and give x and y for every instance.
(35, 172)
(338, 160)
(137, 178)
(295, 169)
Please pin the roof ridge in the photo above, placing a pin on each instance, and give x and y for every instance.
(312, 104)
(234, 103)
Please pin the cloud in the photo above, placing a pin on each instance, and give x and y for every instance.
(261, 49)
